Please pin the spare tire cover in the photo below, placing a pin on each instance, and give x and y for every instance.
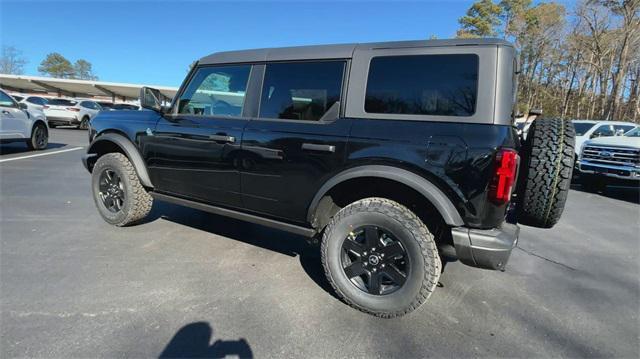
(545, 173)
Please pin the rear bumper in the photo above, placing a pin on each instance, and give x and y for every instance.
(62, 120)
(485, 248)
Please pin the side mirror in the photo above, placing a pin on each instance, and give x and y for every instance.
(22, 105)
(595, 135)
(151, 99)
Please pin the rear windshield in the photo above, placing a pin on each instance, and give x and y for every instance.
(62, 102)
(582, 127)
(441, 85)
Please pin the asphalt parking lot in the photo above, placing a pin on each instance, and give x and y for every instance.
(190, 284)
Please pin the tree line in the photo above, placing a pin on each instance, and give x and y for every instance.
(54, 65)
(579, 63)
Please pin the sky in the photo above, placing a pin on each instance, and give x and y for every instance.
(153, 42)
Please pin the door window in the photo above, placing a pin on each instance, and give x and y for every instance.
(216, 91)
(439, 85)
(302, 91)
(6, 100)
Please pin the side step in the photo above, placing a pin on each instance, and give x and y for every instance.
(299, 230)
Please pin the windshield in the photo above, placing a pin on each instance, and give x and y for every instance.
(582, 127)
(633, 133)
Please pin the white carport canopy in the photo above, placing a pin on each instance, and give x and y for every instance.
(77, 88)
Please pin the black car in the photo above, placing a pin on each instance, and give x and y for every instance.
(399, 156)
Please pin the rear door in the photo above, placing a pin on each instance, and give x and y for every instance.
(193, 152)
(298, 139)
(14, 122)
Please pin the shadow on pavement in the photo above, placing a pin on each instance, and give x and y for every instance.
(628, 194)
(260, 236)
(194, 341)
(21, 147)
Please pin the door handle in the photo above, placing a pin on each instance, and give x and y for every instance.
(317, 147)
(222, 138)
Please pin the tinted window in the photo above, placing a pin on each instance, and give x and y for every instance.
(62, 102)
(6, 101)
(442, 85)
(301, 91)
(86, 104)
(582, 127)
(216, 91)
(36, 100)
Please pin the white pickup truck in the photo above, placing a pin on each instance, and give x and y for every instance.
(610, 160)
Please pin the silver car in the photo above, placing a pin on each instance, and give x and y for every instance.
(74, 112)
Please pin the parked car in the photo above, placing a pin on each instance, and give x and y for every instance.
(587, 129)
(32, 105)
(16, 124)
(400, 156)
(75, 112)
(611, 160)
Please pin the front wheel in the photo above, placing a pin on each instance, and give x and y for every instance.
(39, 137)
(120, 197)
(380, 257)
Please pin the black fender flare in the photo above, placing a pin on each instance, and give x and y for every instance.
(129, 149)
(423, 186)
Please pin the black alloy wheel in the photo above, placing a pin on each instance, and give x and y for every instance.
(374, 260)
(40, 136)
(112, 191)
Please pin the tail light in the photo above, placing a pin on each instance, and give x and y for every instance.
(504, 177)
(74, 109)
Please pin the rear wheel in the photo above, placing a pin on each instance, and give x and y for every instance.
(120, 197)
(84, 123)
(380, 258)
(39, 137)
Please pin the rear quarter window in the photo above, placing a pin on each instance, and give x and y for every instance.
(438, 85)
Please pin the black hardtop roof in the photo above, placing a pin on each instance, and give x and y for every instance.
(336, 51)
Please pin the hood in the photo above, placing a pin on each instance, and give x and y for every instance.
(623, 141)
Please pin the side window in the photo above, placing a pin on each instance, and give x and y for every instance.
(216, 91)
(86, 104)
(6, 100)
(301, 90)
(35, 100)
(603, 131)
(440, 85)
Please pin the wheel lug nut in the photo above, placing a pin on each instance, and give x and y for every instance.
(374, 269)
(373, 249)
(365, 253)
(382, 265)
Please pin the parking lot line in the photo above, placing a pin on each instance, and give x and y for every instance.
(40, 154)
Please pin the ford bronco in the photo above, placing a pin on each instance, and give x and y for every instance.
(397, 156)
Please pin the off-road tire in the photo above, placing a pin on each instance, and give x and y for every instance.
(545, 174)
(137, 201)
(414, 236)
(33, 142)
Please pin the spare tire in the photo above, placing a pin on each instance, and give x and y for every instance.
(545, 174)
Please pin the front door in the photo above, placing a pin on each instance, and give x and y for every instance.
(14, 122)
(193, 151)
(298, 140)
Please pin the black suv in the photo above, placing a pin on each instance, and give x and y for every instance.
(399, 156)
